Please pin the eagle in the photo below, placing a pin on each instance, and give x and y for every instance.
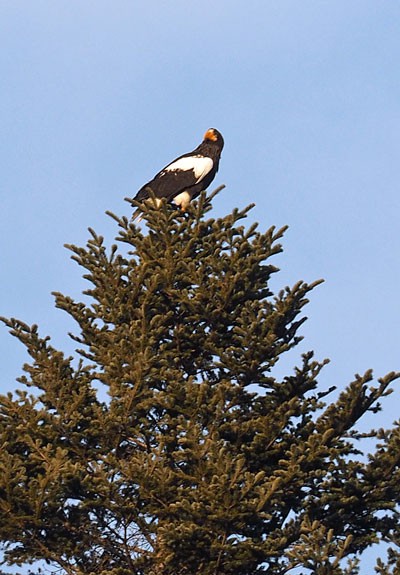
(185, 177)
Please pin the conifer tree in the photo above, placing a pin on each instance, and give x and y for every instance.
(198, 460)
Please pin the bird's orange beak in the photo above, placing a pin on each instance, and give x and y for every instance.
(210, 135)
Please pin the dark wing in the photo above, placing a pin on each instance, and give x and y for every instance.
(182, 174)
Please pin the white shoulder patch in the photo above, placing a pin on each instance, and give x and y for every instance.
(200, 165)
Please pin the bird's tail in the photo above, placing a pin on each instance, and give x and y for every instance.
(137, 216)
(150, 199)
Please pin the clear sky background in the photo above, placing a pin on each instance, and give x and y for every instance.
(96, 96)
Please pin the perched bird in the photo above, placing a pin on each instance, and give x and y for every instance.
(187, 176)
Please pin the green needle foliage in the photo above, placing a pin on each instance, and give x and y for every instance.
(197, 460)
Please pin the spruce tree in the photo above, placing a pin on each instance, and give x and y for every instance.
(197, 460)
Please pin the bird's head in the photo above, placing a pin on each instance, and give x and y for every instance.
(212, 135)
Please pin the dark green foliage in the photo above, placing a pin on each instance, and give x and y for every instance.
(199, 461)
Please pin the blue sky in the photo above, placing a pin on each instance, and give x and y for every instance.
(97, 96)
